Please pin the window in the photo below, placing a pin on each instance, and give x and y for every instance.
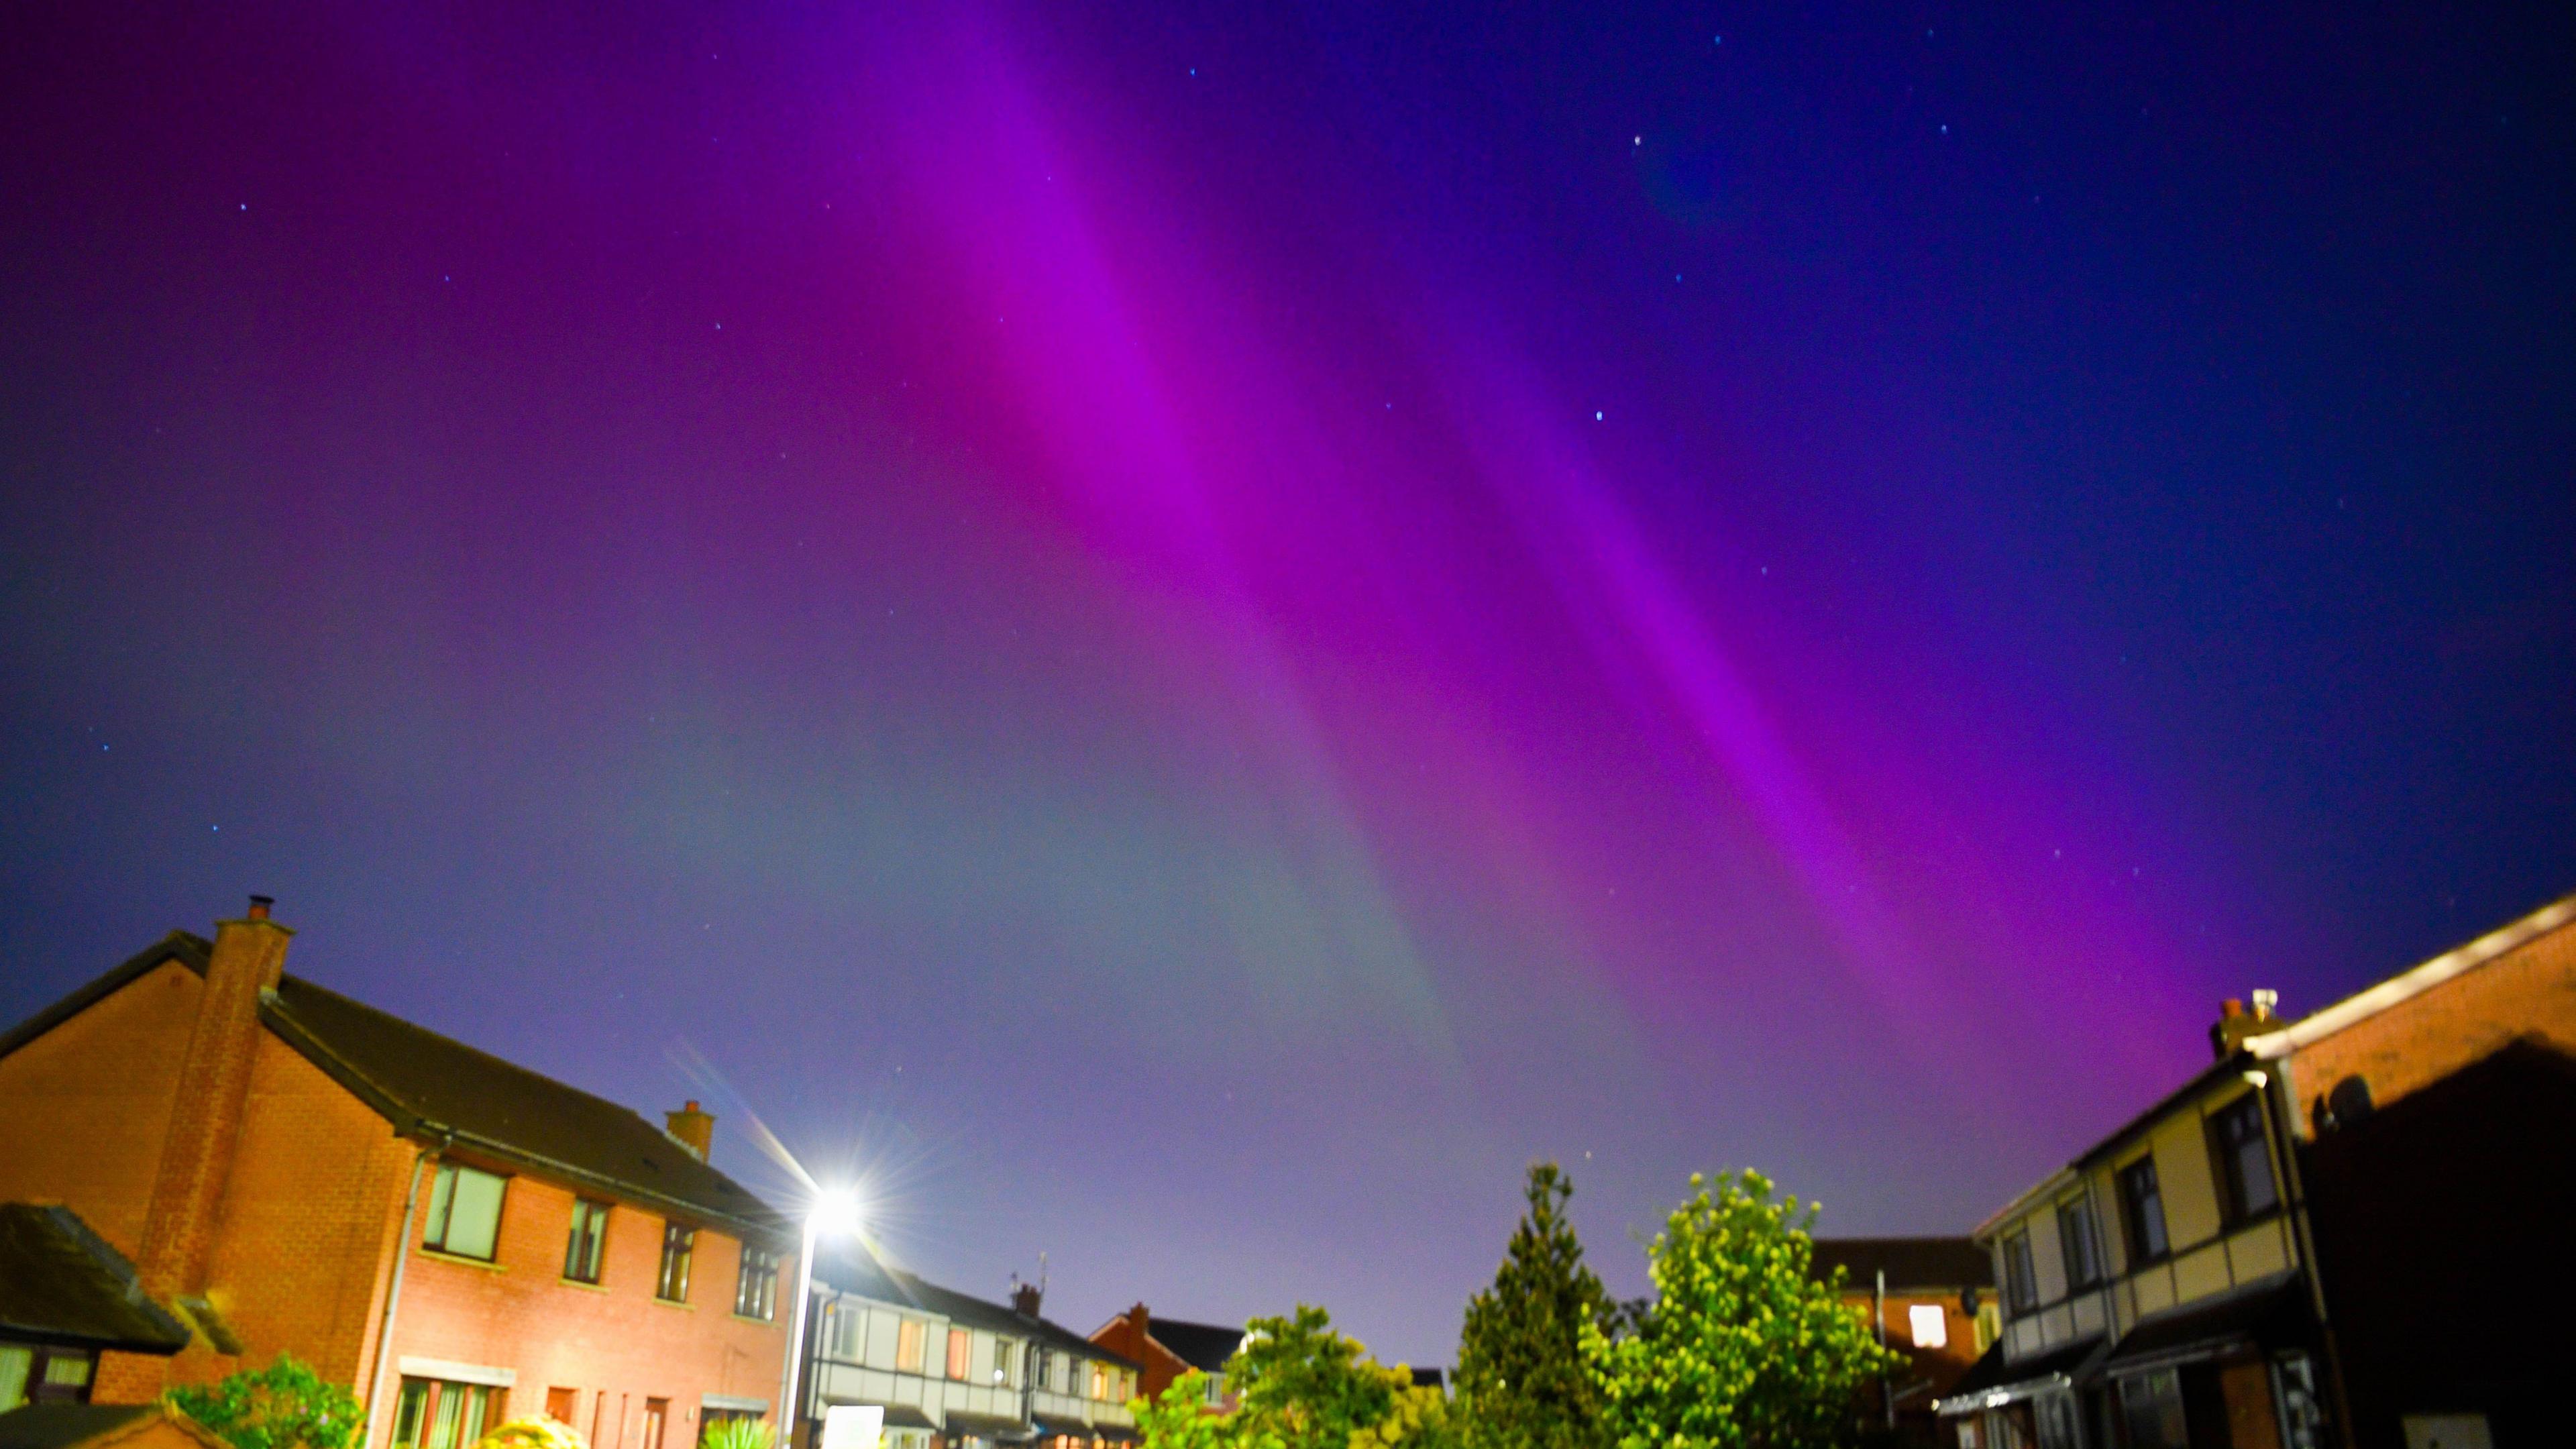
(435, 1414)
(2142, 1211)
(2152, 1405)
(755, 1295)
(562, 1404)
(1043, 1370)
(842, 1325)
(2021, 1285)
(959, 1343)
(1100, 1381)
(679, 1244)
(1928, 1324)
(908, 1345)
(589, 1239)
(464, 1212)
(34, 1374)
(657, 1414)
(2243, 1158)
(2081, 1244)
(1004, 1350)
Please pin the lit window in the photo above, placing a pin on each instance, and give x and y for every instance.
(908, 1346)
(464, 1212)
(959, 1343)
(1929, 1325)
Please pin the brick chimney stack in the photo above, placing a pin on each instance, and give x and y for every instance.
(694, 1129)
(1025, 1298)
(214, 1087)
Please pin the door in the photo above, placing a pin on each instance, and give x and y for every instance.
(656, 1411)
(562, 1404)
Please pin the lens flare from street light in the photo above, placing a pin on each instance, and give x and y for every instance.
(836, 1212)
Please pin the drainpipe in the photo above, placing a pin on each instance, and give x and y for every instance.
(1886, 1393)
(393, 1297)
(2279, 1096)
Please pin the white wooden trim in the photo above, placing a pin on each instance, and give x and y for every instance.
(2272, 1046)
(457, 1373)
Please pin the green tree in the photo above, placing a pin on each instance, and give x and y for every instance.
(1744, 1348)
(283, 1406)
(1301, 1385)
(1520, 1356)
(1179, 1418)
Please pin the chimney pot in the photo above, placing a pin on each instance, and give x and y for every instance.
(1025, 1299)
(259, 907)
(2232, 1006)
(2266, 1005)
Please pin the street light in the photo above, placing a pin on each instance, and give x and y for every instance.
(835, 1211)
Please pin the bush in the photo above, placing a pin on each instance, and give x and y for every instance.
(283, 1406)
(738, 1434)
(538, 1432)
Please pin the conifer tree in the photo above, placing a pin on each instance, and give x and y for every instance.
(1520, 1358)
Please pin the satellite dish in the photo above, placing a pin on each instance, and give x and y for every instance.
(2349, 1101)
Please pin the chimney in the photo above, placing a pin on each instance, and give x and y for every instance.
(1025, 1298)
(2235, 1023)
(694, 1129)
(206, 1119)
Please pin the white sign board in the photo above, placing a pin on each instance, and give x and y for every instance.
(853, 1426)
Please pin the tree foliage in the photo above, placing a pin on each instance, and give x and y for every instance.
(1179, 1418)
(1744, 1348)
(1520, 1355)
(540, 1432)
(283, 1406)
(1308, 1386)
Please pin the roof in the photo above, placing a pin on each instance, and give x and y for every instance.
(1203, 1346)
(2405, 986)
(1995, 1380)
(61, 1426)
(62, 1283)
(56, 1426)
(433, 1087)
(1949, 1263)
(2273, 1316)
(865, 1274)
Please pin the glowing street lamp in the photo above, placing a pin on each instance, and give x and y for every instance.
(835, 1211)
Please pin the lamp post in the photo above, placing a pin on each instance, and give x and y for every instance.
(833, 1211)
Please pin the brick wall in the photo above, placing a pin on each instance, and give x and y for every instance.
(616, 1339)
(2530, 990)
(84, 1108)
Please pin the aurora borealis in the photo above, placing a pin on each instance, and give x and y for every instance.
(1189, 634)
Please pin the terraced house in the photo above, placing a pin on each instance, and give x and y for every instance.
(952, 1371)
(456, 1238)
(2345, 1231)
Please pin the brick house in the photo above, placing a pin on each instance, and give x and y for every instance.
(458, 1239)
(1929, 1299)
(1169, 1347)
(2346, 1231)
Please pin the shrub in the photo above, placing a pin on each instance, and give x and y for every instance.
(738, 1434)
(538, 1432)
(283, 1406)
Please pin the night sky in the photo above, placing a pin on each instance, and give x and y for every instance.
(1189, 634)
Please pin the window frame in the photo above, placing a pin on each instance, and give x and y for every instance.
(420, 1402)
(755, 1289)
(2079, 1242)
(2021, 1271)
(2133, 1210)
(2227, 1159)
(959, 1366)
(680, 1250)
(440, 1223)
(911, 1346)
(588, 1231)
